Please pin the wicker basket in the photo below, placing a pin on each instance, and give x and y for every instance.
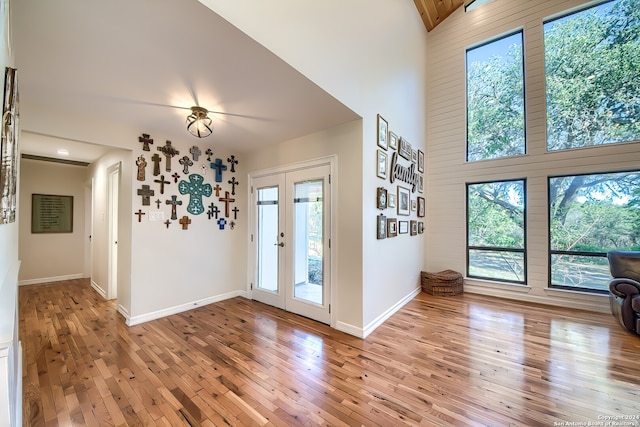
(447, 282)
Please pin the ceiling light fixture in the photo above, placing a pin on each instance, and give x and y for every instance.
(198, 123)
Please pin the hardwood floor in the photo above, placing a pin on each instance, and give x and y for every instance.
(463, 360)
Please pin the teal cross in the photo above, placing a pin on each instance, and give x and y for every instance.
(196, 190)
(218, 167)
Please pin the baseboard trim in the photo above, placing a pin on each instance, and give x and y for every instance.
(50, 279)
(99, 289)
(350, 329)
(136, 320)
(390, 312)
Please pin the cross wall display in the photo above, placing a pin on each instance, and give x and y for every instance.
(189, 197)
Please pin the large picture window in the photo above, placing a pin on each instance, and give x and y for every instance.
(592, 62)
(588, 216)
(496, 231)
(495, 99)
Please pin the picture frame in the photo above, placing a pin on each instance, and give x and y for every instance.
(382, 227)
(414, 156)
(9, 148)
(391, 200)
(404, 148)
(381, 166)
(421, 207)
(414, 228)
(420, 184)
(420, 227)
(51, 213)
(403, 227)
(420, 161)
(381, 198)
(414, 205)
(392, 227)
(404, 201)
(393, 140)
(383, 133)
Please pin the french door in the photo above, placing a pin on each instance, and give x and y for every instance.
(291, 241)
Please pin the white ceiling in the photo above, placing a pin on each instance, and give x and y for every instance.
(143, 63)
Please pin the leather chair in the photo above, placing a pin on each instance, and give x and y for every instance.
(624, 288)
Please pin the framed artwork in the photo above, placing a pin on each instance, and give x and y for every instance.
(391, 200)
(414, 227)
(420, 227)
(414, 205)
(381, 167)
(51, 213)
(382, 227)
(392, 227)
(9, 148)
(404, 201)
(421, 184)
(383, 132)
(414, 156)
(393, 141)
(420, 161)
(381, 198)
(421, 206)
(403, 227)
(404, 148)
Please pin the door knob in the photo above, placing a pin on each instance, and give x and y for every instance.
(281, 244)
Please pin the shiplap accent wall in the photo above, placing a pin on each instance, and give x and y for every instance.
(447, 170)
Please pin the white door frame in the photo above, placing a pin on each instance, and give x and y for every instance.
(113, 194)
(332, 162)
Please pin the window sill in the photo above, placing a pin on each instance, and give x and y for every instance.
(490, 284)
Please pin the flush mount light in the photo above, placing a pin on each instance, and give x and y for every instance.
(198, 123)
(63, 152)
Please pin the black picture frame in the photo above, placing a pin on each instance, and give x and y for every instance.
(381, 198)
(382, 227)
(51, 213)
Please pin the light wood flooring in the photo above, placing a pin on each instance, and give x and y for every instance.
(466, 360)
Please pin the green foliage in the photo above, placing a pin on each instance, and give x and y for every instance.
(496, 214)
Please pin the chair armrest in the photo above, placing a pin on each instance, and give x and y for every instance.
(624, 287)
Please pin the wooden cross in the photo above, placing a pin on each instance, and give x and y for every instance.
(196, 191)
(176, 177)
(168, 152)
(167, 223)
(146, 194)
(145, 141)
(139, 213)
(162, 182)
(213, 211)
(232, 225)
(221, 223)
(174, 202)
(185, 221)
(233, 183)
(218, 167)
(195, 152)
(142, 164)
(185, 161)
(226, 199)
(217, 189)
(157, 202)
(156, 159)
(235, 212)
(209, 153)
(233, 161)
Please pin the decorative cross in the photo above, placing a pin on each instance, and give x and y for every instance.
(219, 167)
(139, 213)
(145, 141)
(176, 177)
(222, 222)
(204, 169)
(157, 202)
(142, 164)
(213, 211)
(217, 189)
(233, 183)
(232, 225)
(226, 199)
(185, 161)
(167, 223)
(195, 152)
(174, 202)
(196, 190)
(209, 153)
(156, 159)
(168, 152)
(162, 182)
(185, 221)
(235, 212)
(146, 194)
(234, 162)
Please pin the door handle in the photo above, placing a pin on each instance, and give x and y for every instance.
(281, 244)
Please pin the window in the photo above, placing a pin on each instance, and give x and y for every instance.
(592, 61)
(496, 231)
(495, 99)
(588, 216)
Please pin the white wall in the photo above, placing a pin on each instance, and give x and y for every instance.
(47, 257)
(371, 56)
(448, 171)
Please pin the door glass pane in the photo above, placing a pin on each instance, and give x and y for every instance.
(308, 232)
(268, 239)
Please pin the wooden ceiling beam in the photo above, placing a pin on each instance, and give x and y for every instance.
(433, 12)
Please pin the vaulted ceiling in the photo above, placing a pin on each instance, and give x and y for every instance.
(434, 12)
